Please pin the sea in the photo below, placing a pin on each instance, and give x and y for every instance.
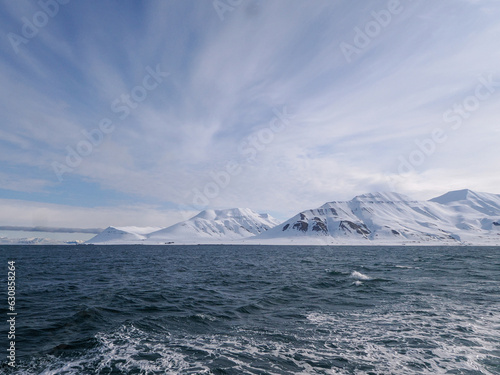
(219, 309)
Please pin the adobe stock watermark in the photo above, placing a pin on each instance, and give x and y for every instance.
(12, 313)
(249, 148)
(372, 29)
(224, 6)
(121, 107)
(454, 117)
(31, 26)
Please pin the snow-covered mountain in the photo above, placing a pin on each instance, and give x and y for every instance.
(211, 226)
(458, 217)
(122, 235)
(485, 203)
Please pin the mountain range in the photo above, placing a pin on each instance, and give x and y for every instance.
(458, 217)
(209, 226)
(462, 217)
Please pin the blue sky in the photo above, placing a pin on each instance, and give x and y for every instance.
(276, 105)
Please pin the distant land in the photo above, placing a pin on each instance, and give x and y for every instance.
(461, 217)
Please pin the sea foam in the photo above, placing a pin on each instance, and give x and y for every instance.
(359, 276)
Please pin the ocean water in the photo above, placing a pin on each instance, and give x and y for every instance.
(253, 310)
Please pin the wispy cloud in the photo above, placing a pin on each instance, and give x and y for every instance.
(351, 120)
(52, 230)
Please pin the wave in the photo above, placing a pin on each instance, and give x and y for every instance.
(395, 339)
(359, 276)
(402, 341)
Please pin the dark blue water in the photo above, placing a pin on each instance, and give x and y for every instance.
(253, 310)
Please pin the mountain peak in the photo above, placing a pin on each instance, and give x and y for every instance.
(210, 214)
(486, 203)
(216, 225)
(455, 196)
(382, 196)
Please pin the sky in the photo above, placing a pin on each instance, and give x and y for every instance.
(146, 112)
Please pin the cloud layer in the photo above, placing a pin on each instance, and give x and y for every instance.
(354, 122)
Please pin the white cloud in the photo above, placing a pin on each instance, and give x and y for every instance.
(351, 121)
(24, 213)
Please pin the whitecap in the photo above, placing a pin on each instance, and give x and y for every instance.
(359, 276)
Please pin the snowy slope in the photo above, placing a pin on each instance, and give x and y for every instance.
(211, 226)
(486, 203)
(475, 212)
(122, 235)
(462, 217)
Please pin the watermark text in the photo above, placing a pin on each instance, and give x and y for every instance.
(11, 314)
